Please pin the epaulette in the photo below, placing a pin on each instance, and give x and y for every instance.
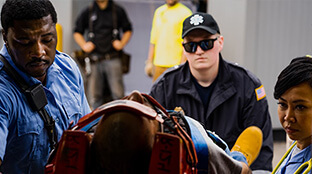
(173, 69)
(251, 75)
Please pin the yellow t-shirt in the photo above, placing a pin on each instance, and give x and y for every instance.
(166, 34)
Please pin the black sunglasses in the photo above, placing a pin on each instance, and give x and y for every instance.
(205, 45)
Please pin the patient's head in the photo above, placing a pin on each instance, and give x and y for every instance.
(123, 140)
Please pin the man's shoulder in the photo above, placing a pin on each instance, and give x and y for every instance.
(65, 62)
(183, 11)
(4, 78)
(184, 7)
(61, 56)
(173, 71)
(161, 9)
(8, 87)
(86, 10)
(170, 76)
(118, 6)
(243, 72)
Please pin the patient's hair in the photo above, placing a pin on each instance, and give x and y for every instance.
(298, 71)
(122, 143)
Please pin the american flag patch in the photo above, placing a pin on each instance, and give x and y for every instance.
(260, 93)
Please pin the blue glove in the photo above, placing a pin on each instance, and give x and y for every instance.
(238, 156)
(218, 141)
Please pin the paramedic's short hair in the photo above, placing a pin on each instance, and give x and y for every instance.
(298, 71)
(25, 10)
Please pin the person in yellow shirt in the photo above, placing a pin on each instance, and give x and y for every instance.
(165, 49)
(59, 31)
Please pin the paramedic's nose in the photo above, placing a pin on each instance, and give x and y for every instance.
(38, 50)
(289, 115)
(136, 96)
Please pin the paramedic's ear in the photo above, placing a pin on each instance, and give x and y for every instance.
(4, 36)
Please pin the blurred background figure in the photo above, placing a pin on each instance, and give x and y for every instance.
(59, 31)
(201, 5)
(165, 49)
(104, 20)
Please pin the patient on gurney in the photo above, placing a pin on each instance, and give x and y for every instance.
(137, 135)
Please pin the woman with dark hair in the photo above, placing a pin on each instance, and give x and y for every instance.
(293, 90)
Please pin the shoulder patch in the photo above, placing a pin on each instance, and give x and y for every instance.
(260, 93)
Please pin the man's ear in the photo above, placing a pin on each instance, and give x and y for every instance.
(4, 36)
(221, 41)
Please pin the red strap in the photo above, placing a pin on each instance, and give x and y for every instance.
(71, 154)
(118, 105)
(167, 154)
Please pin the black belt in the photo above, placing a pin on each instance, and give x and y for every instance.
(107, 56)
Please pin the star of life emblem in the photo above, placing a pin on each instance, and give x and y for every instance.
(196, 20)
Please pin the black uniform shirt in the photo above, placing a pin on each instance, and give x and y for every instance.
(102, 25)
(234, 104)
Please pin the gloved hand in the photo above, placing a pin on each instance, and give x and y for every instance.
(149, 68)
(179, 109)
(238, 156)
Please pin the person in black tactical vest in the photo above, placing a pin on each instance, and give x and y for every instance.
(104, 20)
